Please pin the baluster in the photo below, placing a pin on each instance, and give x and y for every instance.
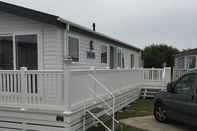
(40, 87)
(33, 88)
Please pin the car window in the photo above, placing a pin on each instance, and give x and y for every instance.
(185, 84)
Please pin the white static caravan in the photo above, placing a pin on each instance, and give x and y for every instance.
(58, 76)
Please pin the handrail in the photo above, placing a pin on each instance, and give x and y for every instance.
(101, 85)
(110, 107)
(101, 100)
(95, 117)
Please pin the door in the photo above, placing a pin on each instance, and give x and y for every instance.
(180, 104)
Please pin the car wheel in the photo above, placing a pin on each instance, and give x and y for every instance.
(160, 113)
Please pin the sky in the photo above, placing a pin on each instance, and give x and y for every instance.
(136, 22)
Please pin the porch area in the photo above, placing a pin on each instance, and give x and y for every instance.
(72, 99)
(68, 90)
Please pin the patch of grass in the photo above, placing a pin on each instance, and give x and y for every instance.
(141, 107)
(123, 128)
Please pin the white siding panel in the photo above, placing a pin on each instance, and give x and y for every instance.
(137, 58)
(50, 38)
(84, 47)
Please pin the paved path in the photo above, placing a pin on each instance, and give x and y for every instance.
(150, 124)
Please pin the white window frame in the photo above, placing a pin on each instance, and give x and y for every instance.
(39, 46)
(133, 61)
(76, 37)
(122, 58)
(101, 53)
(187, 60)
(119, 50)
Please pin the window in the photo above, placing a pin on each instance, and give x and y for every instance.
(180, 62)
(6, 53)
(132, 60)
(104, 54)
(123, 62)
(119, 57)
(185, 84)
(26, 51)
(73, 46)
(191, 62)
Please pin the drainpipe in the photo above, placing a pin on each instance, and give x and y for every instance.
(66, 35)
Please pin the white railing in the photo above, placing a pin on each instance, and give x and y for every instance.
(108, 105)
(177, 73)
(23, 87)
(69, 88)
(115, 81)
(153, 74)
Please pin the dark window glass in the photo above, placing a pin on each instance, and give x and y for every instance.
(73, 45)
(123, 62)
(104, 54)
(119, 58)
(26, 52)
(185, 84)
(180, 62)
(191, 62)
(132, 61)
(6, 53)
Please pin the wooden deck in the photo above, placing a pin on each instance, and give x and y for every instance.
(55, 94)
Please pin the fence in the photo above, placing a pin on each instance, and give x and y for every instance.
(153, 74)
(69, 88)
(177, 73)
(31, 87)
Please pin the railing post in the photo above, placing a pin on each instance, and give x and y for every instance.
(167, 74)
(152, 70)
(143, 74)
(23, 85)
(93, 69)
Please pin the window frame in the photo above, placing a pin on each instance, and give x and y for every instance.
(39, 46)
(106, 54)
(187, 61)
(119, 57)
(75, 37)
(132, 61)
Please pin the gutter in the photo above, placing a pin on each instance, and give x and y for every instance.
(96, 33)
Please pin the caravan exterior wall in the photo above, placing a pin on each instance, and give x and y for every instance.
(124, 61)
(52, 41)
(50, 38)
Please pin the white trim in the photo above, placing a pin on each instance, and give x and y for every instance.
(14, 51)
(39, 46)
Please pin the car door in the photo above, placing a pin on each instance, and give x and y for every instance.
(180, 103)
(195, 103)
